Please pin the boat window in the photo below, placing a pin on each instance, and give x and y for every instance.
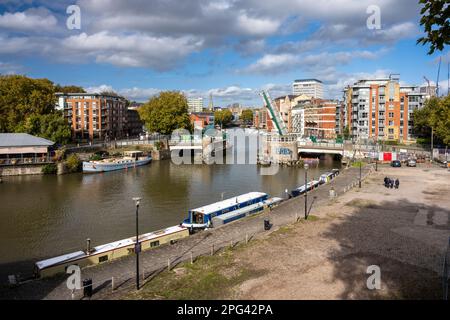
(154, 244)
(197, 217)
(102, 259)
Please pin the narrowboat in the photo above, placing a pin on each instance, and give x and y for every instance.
(201, 218)
(130, 159)
(108, 252)
(327, 177)
(246, 211)
(302, 189)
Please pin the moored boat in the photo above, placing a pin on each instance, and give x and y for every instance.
(201, 218)
(130, 159)
(108, 252)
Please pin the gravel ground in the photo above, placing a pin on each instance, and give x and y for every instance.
(405, 232)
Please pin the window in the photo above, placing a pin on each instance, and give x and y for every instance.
(102, 259)
(391, 131)
(391, 114)
(154, 244)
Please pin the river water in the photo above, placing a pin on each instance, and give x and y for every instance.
(45, 216)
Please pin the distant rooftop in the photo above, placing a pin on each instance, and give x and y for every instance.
(22, 140)
(308, 80)
(88, 94)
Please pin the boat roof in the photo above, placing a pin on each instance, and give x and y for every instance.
(249, 208)
(107, 247)
(60, 259)
(208, 209)
(132, 151)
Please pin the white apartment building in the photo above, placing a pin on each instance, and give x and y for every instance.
(309, 87)
(195, 105)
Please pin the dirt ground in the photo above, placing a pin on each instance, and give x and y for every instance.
(405, 232)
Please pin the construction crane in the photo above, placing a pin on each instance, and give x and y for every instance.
(274, 113)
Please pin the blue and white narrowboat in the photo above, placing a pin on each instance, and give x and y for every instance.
(130, 159)
(246, 211)
(201, 218)
(302, 189)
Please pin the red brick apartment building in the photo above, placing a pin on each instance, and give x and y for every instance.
(381, 109)
(94, 116)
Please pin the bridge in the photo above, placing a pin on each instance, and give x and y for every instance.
(321, 147)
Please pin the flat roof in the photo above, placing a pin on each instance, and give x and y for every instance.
(308, 80)
(23, 140)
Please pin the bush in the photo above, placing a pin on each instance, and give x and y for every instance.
(95, 157)
(73, 163)
(49, 169)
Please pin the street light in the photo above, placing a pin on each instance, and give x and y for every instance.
(137, 247)
(306, 190)
(360, 173)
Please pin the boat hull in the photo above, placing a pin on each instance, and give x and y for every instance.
(95, 167)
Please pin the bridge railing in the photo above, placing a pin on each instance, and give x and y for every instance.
(328, 145)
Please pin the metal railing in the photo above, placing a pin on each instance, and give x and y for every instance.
(25, 161)
(445, 272)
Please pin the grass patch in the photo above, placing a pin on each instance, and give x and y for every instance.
(361, 203)
(356, 164)
(209, 278)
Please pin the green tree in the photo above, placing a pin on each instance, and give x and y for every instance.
(21, 97)
(434, 115)
(435, 20)
(223, 117)
(247, 116)
(50, 126)
(166, 112)
(69, 89)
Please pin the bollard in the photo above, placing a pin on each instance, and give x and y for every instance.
(246, 238)
(168, 264)
(212, 250)
(192, 258)
(112, 284)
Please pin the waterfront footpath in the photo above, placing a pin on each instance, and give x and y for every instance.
(405, 232)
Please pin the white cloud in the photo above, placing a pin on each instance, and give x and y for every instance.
(34, 20)
(135, 50)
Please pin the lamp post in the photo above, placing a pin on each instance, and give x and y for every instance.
(360, 173)
(306, 190)
(137, 247)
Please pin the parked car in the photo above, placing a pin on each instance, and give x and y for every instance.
(411, 163)
(396, 164)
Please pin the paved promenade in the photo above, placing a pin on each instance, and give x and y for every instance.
(121, 273)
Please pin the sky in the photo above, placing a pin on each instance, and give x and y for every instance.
(229, 49)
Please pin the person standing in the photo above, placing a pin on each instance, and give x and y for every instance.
(397, 183)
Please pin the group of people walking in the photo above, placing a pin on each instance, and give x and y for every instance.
(391, 183)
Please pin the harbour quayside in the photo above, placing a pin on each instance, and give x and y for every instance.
(212, 215)
(130, 159)
(228, 210)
